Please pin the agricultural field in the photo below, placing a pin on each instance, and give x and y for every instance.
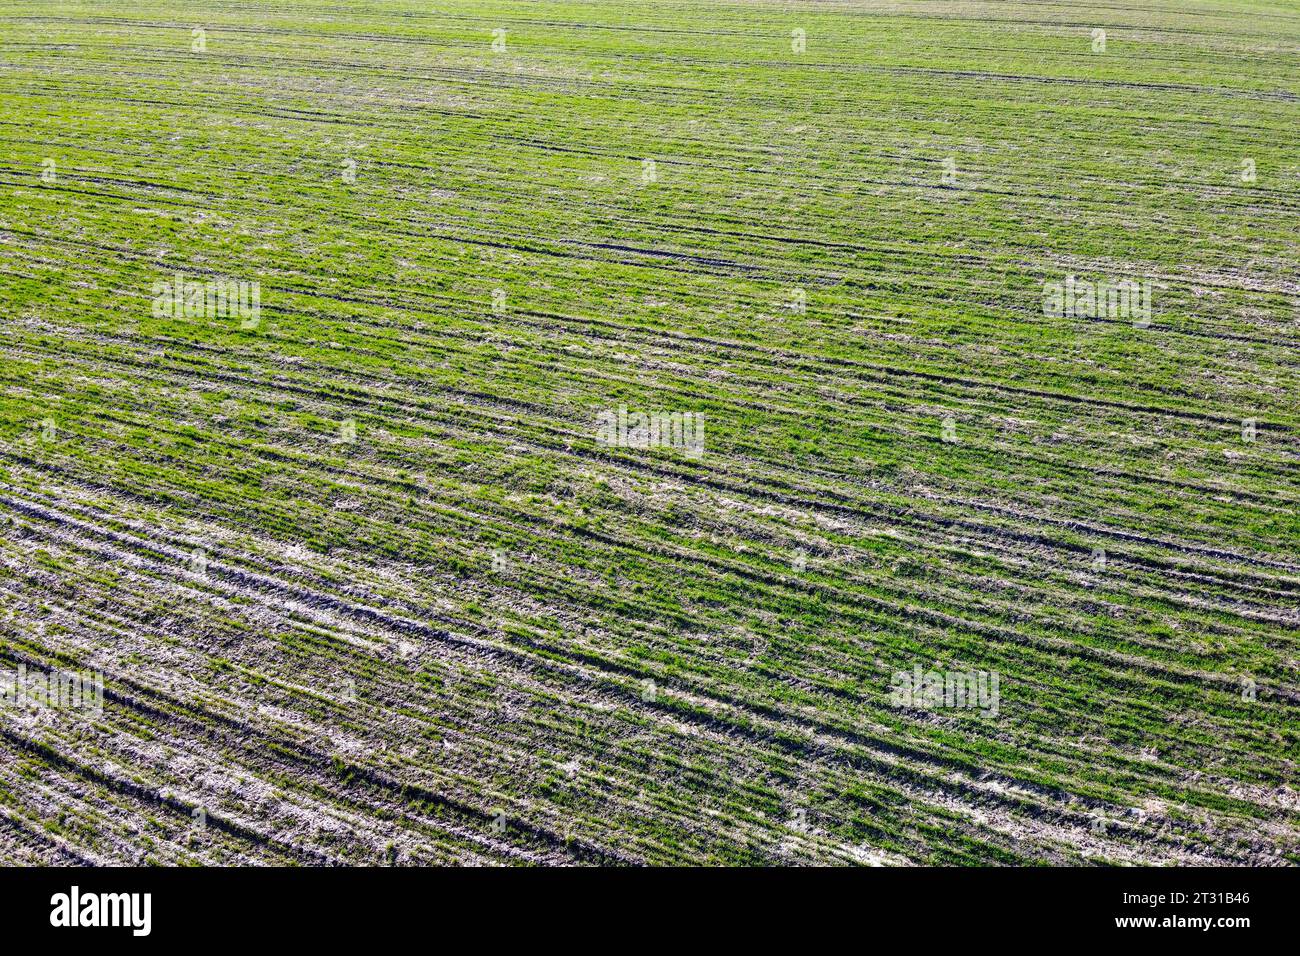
(485, 432)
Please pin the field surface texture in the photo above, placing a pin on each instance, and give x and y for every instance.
(372, 570)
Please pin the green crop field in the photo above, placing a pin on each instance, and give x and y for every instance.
(561, 433)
